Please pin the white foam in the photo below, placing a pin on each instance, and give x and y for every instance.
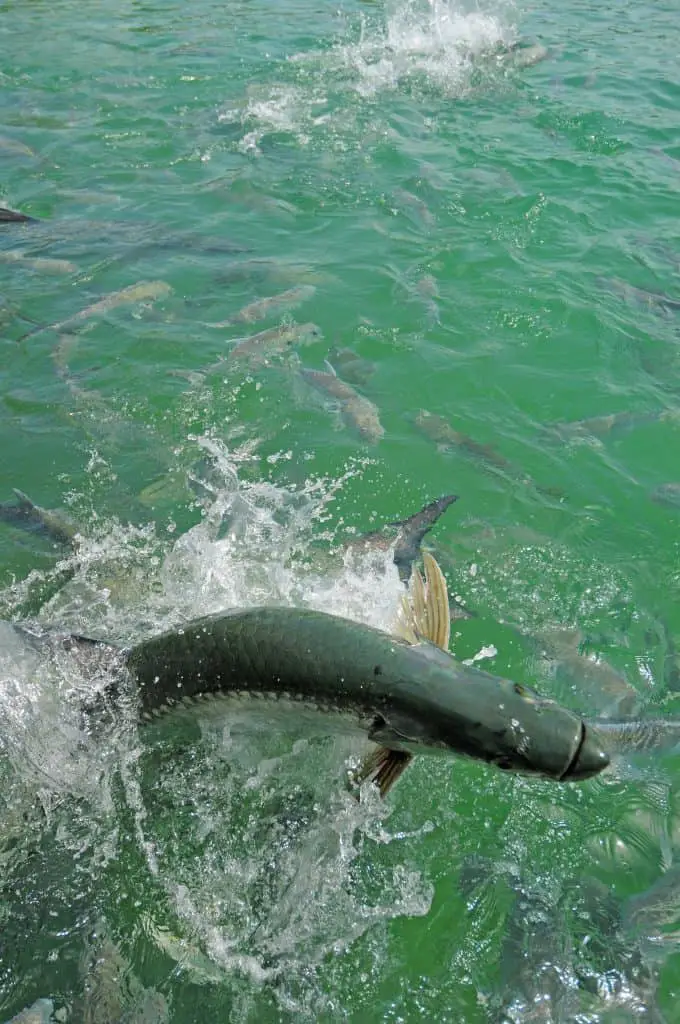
(250, 835)
(321, 94)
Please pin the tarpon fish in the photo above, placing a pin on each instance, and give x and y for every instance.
(537, 982)
(358, 412)
(274, 304)
(654, 301)
(667, 494)
(447, 438)
(53, 524)
(443, 434)
(144, 291)
(258, 347)
(13, 217)
(13, 147)
(523, 54)
(404, 535)
(611, 425)
(603, 685)
(652, 913)
(40, 264)
(409, 696)
(350, 366)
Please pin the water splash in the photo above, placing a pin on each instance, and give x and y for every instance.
(256, 855)
(436, 47)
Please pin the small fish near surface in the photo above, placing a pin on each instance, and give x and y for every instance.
(358, 412)
(274, 305)
(143, 291)
(409, 696)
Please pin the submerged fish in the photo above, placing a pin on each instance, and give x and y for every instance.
(671, 660)
(40, 264)
(259, 347)
(13, 217)
(112, 994)
(654, 301)
(350, 366)
(627, 735)
(53, 524)
(357, 411)
(613, 424)
(522, 54)
(144, 291)
(655, 913)
(537, 981)
(446, 438)
(274, 304)
(667, 494)
(603, 685)
(440, 430)
(14, 147)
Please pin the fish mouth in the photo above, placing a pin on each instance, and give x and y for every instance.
(588, 759)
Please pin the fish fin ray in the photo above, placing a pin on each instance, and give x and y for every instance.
(384, 767)
(424, 613)
(405, 626)
(438, 611)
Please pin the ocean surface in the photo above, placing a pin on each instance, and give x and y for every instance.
(472, 213)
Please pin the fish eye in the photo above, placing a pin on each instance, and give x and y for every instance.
(522, 691)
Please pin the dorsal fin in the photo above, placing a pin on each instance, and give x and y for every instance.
(424, 612)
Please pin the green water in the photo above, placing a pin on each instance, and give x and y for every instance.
(471, 227)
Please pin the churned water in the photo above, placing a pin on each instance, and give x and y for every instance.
(471, 212)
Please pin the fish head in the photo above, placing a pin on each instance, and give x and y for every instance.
(460, 710)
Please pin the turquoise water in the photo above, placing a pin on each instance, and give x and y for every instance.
(498, 240)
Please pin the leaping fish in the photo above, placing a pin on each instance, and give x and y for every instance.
(408, 696)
